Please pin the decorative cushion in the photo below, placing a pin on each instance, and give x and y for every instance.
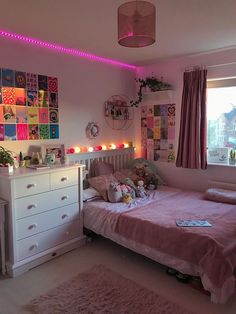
(101, 184)
(90, 194)
(221, 195)
(102, 168)
(122, 174)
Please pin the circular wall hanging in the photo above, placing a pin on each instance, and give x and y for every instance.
(118, 112)
(92, 130)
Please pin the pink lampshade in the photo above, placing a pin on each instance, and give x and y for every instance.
(136, 24)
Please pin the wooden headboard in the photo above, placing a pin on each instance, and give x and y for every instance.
(119, 158)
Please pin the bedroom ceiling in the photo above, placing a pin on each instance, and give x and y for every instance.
(183, 26)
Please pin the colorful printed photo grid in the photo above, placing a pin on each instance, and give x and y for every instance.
(158, 132)
(28, 106)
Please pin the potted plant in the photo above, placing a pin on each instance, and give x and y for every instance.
(153, 84)
(232, 157)
(6, 160)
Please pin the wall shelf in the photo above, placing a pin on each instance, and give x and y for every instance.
(118, 113)
(167, 92)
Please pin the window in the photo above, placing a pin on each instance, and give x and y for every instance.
(221, 119)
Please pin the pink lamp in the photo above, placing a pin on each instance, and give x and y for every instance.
(136, 24)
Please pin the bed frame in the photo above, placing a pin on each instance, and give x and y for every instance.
(117, 157)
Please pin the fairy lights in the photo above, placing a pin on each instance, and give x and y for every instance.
(65, 50)
(90, 149)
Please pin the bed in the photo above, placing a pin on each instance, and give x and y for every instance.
(148, 226)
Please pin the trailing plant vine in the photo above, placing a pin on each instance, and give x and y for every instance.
(153, 83)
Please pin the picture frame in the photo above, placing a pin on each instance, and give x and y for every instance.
(218, 155)
(57, 149)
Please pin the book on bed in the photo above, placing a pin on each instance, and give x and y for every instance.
(192, 223)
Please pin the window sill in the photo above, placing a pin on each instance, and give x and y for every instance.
(221, 164)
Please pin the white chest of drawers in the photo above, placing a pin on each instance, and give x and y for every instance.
(44, 215)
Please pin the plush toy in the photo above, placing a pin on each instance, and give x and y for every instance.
(127, 198)
(126, 189)
(117, 191)
(114, 193)
(151, 181)
(146, 171)
(131, 184)
(140, 191)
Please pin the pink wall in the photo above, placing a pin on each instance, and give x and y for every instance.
(84, 86)
(172, 72)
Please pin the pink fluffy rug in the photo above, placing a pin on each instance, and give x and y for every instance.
(100, 291)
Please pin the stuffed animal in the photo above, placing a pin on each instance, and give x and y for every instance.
(140, 191)
(127, 198)
(131, 184)
(146, 171)
(117, 191)
(151, 181)
(114, 193)
(126, 189)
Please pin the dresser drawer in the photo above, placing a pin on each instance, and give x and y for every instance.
(31, 185)
(46, 240)
(64, 178)
(36, 204)
(31, 225)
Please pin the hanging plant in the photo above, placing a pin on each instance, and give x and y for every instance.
(151, 82)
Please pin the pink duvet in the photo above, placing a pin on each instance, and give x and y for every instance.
(212, 249)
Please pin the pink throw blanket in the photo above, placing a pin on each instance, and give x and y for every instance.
(212, 249)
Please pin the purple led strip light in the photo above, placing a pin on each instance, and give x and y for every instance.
(74, 52)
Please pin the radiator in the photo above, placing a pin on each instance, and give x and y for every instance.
(221, 185)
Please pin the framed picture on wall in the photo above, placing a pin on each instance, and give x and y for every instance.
(57, 149)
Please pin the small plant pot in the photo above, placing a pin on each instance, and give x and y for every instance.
(6, 169)
(232, 161)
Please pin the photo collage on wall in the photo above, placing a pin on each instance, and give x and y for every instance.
(158, 132)
(28, 106)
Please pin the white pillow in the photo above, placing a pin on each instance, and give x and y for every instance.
(90, 194)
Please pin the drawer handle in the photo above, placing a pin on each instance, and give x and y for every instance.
(64, 179)
(33, 246)
(31, 206)
(31, 185)
(64, 216)
(32, 226)
(65, 197)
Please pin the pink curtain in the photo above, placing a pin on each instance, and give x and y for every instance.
(192, 149)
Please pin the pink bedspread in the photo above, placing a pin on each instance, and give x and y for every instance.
(212, 249)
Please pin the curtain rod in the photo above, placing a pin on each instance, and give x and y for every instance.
(201, 67)
(221, 65)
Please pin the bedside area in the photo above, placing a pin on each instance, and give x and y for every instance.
(43, 216)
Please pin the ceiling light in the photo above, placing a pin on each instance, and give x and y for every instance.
(136, 24)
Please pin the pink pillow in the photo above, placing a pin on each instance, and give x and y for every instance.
(102, 183)
(101, 168)
(221, 195)
(123, 174)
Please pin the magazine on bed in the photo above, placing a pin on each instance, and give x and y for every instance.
(192, 223)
